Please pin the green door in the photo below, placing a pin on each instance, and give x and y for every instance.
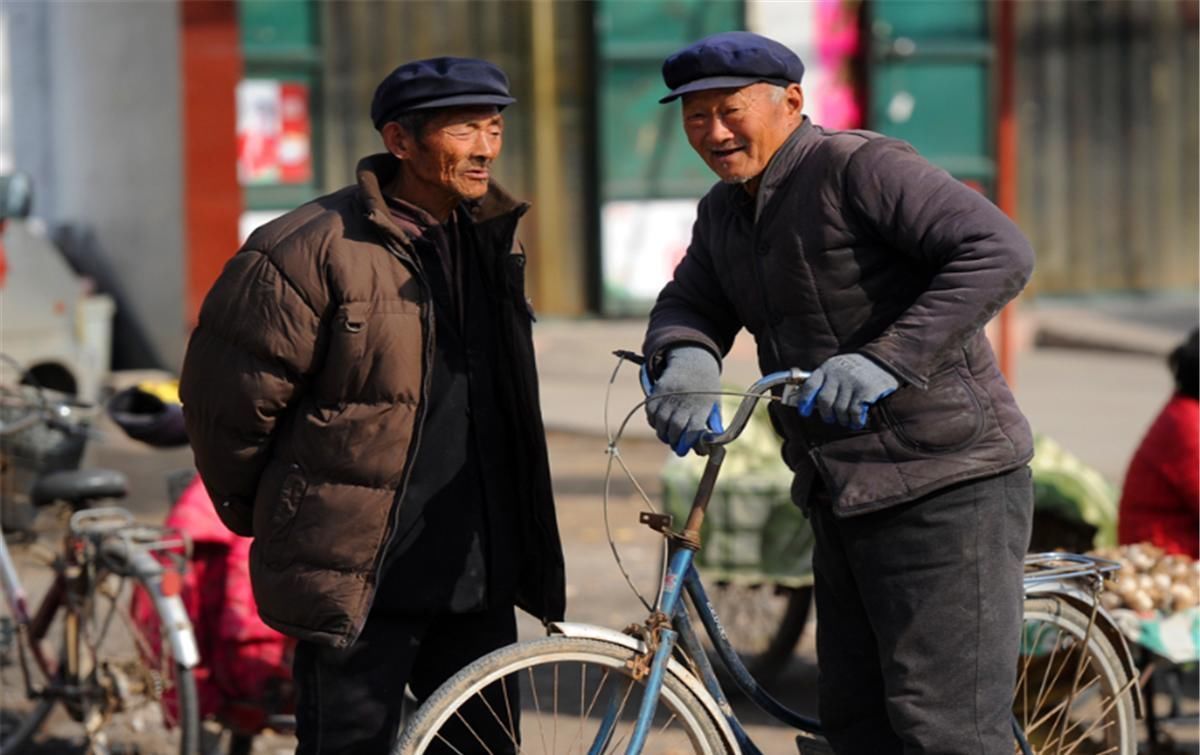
(649, 177)
(930, 82)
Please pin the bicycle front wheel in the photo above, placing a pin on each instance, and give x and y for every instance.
(555, 695)
(1073, 695)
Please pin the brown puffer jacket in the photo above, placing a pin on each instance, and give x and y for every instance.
(854, 243)
(304, 386)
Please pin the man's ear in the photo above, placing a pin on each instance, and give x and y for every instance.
(397, 140)
(794, 97)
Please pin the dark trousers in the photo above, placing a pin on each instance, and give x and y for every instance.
(350, 700)
(919, 619)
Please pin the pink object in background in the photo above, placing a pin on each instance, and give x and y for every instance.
(838, 42)
(245, 666)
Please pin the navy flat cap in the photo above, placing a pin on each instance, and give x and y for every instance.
(730, 59)
(438, 82)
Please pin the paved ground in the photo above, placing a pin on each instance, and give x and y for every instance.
(1096, 401)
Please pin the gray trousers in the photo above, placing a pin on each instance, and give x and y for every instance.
(919, 619)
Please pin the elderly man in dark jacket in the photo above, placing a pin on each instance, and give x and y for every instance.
(848, 254)
(361, 396)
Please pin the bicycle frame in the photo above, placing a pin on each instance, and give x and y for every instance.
(681, 575)
(35, 625)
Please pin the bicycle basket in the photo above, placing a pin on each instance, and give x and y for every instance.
(28, 454)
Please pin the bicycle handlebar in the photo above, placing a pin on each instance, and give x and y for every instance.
(793, 377)
(25, 404)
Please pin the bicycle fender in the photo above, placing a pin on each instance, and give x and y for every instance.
(1083, 600)
(176, 623)
(180, 634)
(674, 667)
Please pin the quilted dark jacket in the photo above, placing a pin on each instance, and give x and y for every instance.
(854, 243)
(303, 389)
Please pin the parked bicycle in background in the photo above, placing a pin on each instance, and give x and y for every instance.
(77, 672)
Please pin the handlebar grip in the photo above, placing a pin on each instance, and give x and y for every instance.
(644, 379)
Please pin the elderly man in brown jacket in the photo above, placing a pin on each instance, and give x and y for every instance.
(361, 396)
(848, 254)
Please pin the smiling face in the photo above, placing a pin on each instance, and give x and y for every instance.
(449, 160)
(736, 131)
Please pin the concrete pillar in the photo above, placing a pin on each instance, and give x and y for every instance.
(95, 94)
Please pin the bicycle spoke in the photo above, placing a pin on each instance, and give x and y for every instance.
(592, 705)
(670, 720)
(508, 709)
(620, 709)
(462, 719)
(446, 742)
(495, 717)
(1102, 717)
(538, 708)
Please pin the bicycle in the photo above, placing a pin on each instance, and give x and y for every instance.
(124, 685)
(653, 688)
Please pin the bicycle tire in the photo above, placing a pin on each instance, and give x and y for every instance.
(1069, 702)
(538, 665)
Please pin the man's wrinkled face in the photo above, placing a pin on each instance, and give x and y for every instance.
(736, 131)
(455, 152)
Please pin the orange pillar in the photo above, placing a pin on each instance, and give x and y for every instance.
(211, 66)
(1006, 161)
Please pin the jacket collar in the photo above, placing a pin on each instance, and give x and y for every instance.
(790, 154)
(374, 172)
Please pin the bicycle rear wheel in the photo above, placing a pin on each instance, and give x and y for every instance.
(129, 693)
(142, 697)
(1073, 695)
(556, 695)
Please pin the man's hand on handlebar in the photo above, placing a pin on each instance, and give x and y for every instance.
(680, 405)
(844, 388)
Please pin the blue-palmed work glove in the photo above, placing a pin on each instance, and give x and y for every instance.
(844, 388)
(693, 375)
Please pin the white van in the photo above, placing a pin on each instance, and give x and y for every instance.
(51, 321)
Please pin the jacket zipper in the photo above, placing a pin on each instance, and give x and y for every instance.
(419, 419)
(760, 276)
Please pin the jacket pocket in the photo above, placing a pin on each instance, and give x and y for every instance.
(348, 335)
(278, 552)
(944, 418)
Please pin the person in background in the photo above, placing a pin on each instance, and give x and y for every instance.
(848, 254)
(361, 396)
(1160, 500)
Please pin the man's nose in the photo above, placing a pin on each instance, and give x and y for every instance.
(486, 147)
(718, 132)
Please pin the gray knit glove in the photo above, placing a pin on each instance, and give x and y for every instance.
(844, 388)
(693, 375)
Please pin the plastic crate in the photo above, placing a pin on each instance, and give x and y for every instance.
(752, 531)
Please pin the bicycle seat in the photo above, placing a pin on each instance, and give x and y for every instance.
(77, 486)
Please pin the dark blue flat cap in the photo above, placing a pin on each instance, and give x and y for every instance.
(438, 82)
(730, 59)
